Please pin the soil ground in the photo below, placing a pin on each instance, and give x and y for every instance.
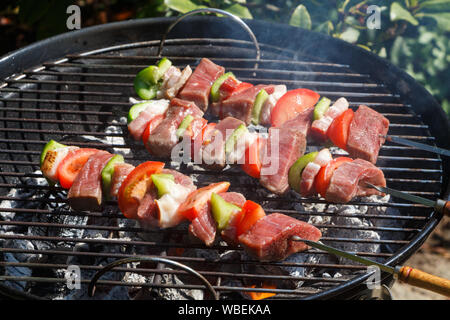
(434, 258)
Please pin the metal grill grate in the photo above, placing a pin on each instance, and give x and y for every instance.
(80, 100)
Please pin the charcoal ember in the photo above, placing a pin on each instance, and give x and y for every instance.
(357, 233)
(168, 293)
(386, 223)
(267, 269)
(29, 194)
(16, 257)
(101, 293)
(295, 265)
(208, 261)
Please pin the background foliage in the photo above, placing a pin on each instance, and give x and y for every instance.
(414, 34)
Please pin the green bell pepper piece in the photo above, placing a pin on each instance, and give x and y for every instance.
(215, 95)
(136, 109)
(234, 137)
(295, 172)
(146, 83)
(222, 210)
(145, 90)
(163, 65)
(107, 173)
(321, 107)
(261, 97)
(51, 145)
(184, 125)
(163, 182)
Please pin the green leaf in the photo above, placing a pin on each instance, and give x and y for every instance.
(350, 35)
(442, 19)
(343, 5)
(32, 11)
(400, 13)
(301, 18)
(325, 27)
(435, 5)
(240, 11)
(364, 47)
(182, 6)
(446, 107)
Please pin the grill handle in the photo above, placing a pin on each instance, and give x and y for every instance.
(418, 278)
(213, 10)
(91, 288)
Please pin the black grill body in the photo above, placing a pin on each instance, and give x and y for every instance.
(78, 84)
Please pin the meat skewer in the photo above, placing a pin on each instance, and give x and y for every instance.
(162, 198)
(337, 180)
(291, 115)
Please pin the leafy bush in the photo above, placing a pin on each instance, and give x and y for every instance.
(414, 34)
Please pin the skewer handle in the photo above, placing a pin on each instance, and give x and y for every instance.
(443, 207)
(446, 209)
(424, 280)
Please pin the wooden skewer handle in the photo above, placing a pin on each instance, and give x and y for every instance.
(424, 280)
(446, 209)
(443, 207)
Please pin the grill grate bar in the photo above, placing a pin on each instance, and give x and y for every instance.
(57, 121)
(397, 158)
(286, 211)
(299, 291)
(37, 164)
(53, 188)
(267, 80)
(361, 203)
(152, 59)
(138, 146)
(128, 104)
(180, 272)
(100, 103)
(58, 92)
(38, 175)
(177, 258)
(141, 230)
(58, 132)
(43, 110)
(137, 67)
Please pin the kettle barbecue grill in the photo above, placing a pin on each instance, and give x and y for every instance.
(75, 88)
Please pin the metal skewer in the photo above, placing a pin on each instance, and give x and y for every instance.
(405, 274)
(439, 205)
(417, 145)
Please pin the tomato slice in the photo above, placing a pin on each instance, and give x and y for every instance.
(338, 130)
(195, 202)
(241, 87)
(291, 104)
(227, 87)
(71, 165)
(198, 142)
(196, 127)
(231, 86)
(134, 187)
(205, 132)
(151, 126)
(323, 178)
(251, 212)
(252, 164)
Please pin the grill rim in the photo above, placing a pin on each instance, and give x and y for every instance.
(23, 59)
